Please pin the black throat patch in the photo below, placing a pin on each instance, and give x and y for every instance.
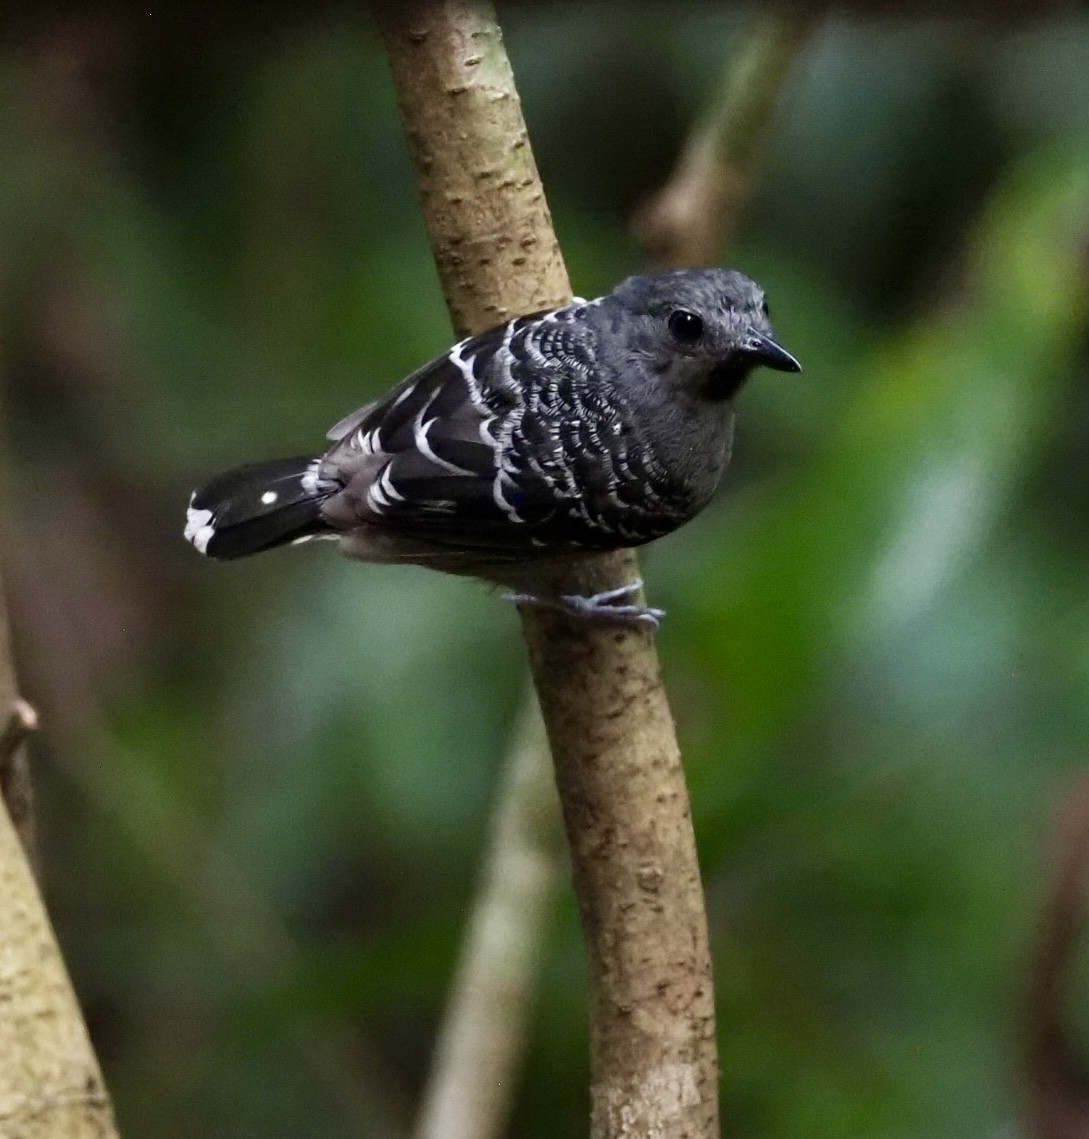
(727, 378)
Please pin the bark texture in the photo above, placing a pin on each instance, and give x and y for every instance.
(625, 805)
(491, 232)
(50, 1085)
(622, 788)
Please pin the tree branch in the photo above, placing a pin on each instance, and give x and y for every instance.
(687, 222)
(470, 1085)
(254, 950)
(622, 789)
(16, 788)
(50, 1084)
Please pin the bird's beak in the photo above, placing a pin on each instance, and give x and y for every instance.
(765, 351)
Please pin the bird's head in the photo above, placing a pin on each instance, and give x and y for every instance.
(703, 331)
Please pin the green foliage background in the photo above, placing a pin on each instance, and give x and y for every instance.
(264, 787)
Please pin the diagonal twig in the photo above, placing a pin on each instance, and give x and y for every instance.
(50, 1083)
(688, 221)
(480, 1041)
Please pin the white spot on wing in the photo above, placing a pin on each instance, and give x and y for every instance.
(465, 367)
(314, 538)
(409, 389)
(423, 445)
(388, 489)
(501, 499)
(269, 497)
(382, 493)
(494, 430)
(508, 336)
(198, 526)
(367, 441)
(311, 476)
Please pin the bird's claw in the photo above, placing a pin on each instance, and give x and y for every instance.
(598, 606)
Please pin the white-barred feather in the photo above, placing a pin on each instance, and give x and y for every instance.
(312, 476)
(199, 528)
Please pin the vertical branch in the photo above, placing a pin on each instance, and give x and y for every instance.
(622, 789)
(484, 1022)
(625, 804)
(688, 220)
(491, 232)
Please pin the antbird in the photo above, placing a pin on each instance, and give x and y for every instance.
(597, 426)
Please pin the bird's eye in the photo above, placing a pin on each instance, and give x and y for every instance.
(685, 326)
(765, 310)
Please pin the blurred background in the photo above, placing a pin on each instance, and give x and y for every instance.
(264, 787)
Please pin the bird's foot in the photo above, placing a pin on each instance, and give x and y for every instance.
(606, 606)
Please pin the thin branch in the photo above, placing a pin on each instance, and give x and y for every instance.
(688, 221)
(68, 108)
(50, 1083)
(16, 788)
(254, 949)
(480, 1043)
(626, 809)
(622, 789)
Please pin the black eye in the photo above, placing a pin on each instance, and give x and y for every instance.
(685, 326)
(765, 310)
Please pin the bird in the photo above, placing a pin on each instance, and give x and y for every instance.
(600, 425)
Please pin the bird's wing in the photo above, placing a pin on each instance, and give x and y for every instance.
(501, 446)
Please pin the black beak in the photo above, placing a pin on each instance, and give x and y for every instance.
(765, 351)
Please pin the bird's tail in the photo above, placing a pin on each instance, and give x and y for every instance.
(258, 506)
